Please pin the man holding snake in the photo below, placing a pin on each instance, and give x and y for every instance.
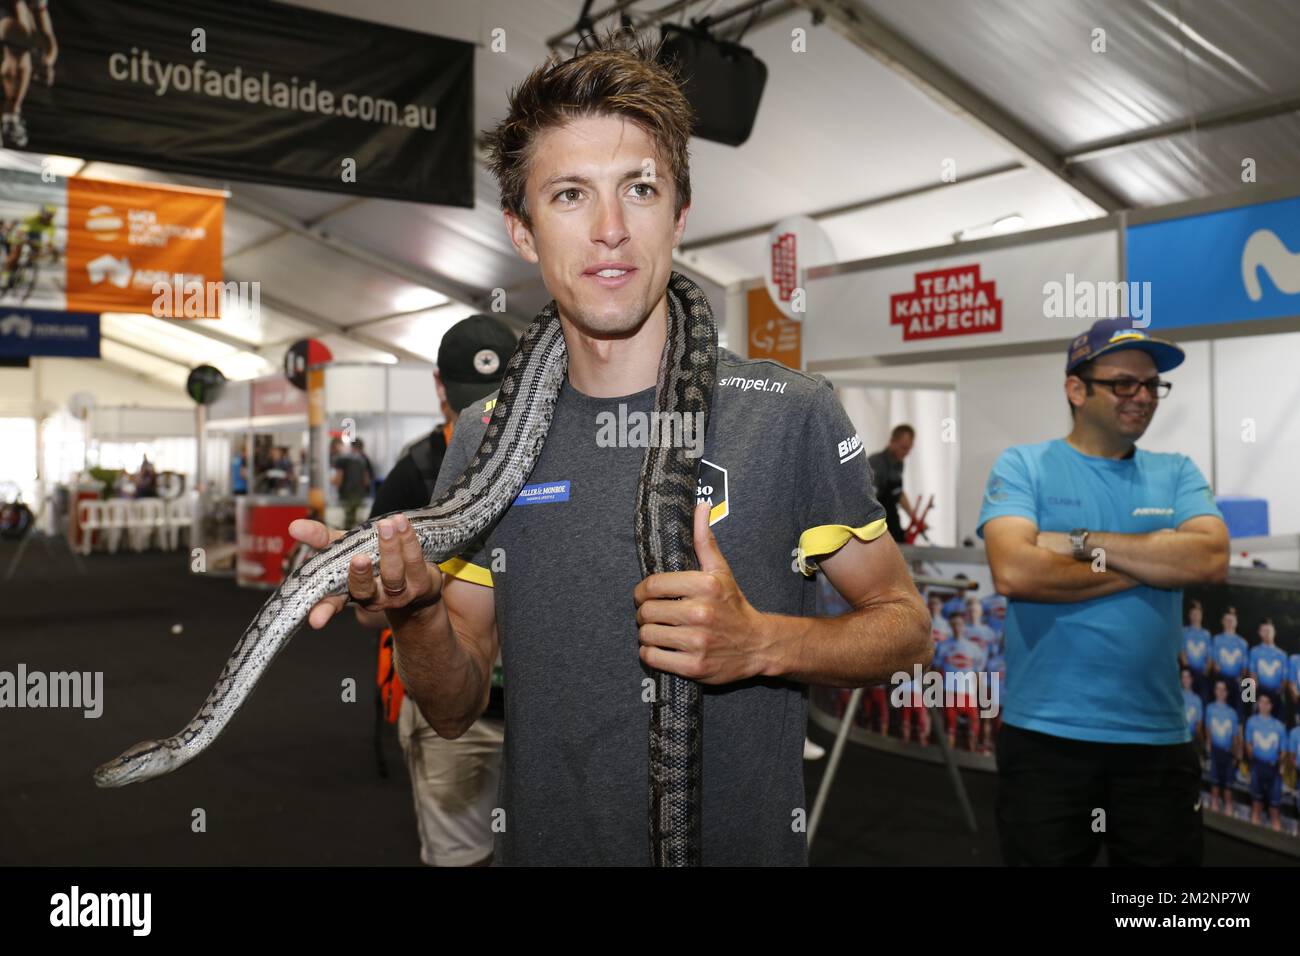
(593, 166)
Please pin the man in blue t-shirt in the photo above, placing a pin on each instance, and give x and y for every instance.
(1195, 653)
(1091, 539)
(1229, 655)
(1193, 707)
(962, 655)
(939, 629)
(957, 603)
(1223, 742)
(1265, 737)
(1267, 663)
(239, 471)
(977, 630)
(995, 613)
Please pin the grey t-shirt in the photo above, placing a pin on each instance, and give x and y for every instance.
(781, 461)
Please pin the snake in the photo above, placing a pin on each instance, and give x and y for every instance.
(471, 505)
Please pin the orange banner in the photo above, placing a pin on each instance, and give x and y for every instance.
(145, 248)
(769, 333)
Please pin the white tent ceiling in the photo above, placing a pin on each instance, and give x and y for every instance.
(855, 130)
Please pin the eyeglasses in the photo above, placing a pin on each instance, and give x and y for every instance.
(1128, 387)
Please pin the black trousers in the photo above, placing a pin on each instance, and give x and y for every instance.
(894, 524)
(1060, 800)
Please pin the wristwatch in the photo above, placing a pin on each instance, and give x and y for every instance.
(1078, 543)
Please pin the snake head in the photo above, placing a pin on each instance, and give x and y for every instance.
(144, 761)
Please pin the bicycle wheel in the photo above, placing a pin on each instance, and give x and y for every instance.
(22, 523)
(18, 277)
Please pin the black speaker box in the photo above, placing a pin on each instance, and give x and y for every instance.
(722, 81)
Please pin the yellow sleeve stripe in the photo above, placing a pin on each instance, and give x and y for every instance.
(829, 538)
(460, 568)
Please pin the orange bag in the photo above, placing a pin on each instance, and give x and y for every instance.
(390, 685)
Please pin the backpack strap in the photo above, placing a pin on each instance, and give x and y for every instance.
(428, 459)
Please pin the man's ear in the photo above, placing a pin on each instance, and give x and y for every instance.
(680, 226)
(521, 237)
(1075, 388)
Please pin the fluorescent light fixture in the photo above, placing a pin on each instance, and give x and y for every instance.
(1003, 224)
(63, 165)
(416, 298)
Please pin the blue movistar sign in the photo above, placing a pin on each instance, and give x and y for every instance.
(1226, 266)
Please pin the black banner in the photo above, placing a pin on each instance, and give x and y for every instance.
(247, 89)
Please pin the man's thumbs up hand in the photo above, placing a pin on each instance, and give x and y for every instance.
(698, 624)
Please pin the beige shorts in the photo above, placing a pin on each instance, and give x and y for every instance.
(454, 783)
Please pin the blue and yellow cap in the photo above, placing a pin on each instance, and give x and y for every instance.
(1111, 335)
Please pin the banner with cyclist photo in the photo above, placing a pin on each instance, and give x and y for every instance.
(253, 90)
(1240, 662)
(33, 241)
(90, 246)
(959, 694)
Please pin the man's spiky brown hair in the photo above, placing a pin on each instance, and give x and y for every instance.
(616, 75)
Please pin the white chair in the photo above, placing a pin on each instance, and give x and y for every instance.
(180, 517)
(117, 522)
(136, 522)
(146, 519)
(155, 514)
(161, 523)
(92, 519)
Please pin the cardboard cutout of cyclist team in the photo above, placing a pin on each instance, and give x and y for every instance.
(1241, 645)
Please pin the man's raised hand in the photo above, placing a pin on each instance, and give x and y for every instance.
(316, 535)
(405, 582)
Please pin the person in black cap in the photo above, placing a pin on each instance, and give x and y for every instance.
(471, 362)
(1092, 539)
(453, 782)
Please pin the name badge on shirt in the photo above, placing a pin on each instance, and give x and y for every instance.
(543, 493)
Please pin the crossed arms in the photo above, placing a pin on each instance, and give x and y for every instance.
(1032, 565)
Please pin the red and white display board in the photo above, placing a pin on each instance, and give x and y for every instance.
(964, 300)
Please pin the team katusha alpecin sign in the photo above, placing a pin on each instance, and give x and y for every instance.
(252, 90)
